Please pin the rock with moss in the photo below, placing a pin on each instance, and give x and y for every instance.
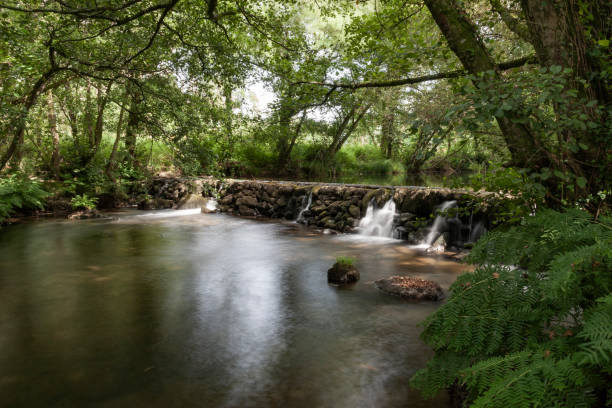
(343, 272)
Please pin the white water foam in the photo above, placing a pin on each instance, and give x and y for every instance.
(378, 222)
(300, 217)
(171, 213)
(211, 204)
(438, 222)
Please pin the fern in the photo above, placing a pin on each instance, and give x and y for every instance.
(532, 324)
(19, 192)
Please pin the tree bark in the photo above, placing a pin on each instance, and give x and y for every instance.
(111, 160)
(52, 118)
(72, 116)
(559, 38)
(286, 112)
(132, 124)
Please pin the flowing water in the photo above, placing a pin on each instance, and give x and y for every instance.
(378, 222)
(182, 309)
(306, 202)
(434, 232)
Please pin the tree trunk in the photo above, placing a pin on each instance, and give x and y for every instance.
(463, 39)
(229, 123)
(132, 125)
(72, 117)
(387, 137)
(88, 117)
(343, 133)
(55, 155)
(110, 167)
(559, 38)
(286, 113)
(96, 136)
(19, 124)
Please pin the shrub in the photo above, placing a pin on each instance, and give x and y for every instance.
(532, 325)
(83, 201)
(19, 192)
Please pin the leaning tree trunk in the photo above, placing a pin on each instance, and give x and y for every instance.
(343, 132)
(462, 37)
(284, 145)
(19, 124)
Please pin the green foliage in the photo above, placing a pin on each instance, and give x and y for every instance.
(20, 192)
(84, 201)
(518, 191)
(345, 261)
(195, 156)
(532, 324)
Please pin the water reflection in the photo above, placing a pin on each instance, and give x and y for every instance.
(204, 310)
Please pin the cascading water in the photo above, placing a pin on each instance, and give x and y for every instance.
(378, 222)
(300, 217)
(476, 232)
(439, 222)
(211, 205)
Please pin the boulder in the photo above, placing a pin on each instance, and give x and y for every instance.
(354, 211)
(155, 204)
(439, 245)
(342, 273)
(247, 211)
(247, 200)
(227, 200)
(409, 287)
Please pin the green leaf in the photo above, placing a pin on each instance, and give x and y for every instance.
(555, 69)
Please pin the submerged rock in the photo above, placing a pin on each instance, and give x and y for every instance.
(439, 245)
(84, 215)
(410, 287)
(342, 273)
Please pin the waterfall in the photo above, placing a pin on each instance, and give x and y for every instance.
(378, 222)
(478, 230)
(439, 222)
(211, 205)
(300, 217)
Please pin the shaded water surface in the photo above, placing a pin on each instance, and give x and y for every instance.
(174, 309)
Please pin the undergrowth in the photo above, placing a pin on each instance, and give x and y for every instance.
(19, 192)
(532, 325)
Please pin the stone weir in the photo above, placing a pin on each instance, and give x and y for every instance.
(338, 207)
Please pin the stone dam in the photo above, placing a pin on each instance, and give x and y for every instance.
(337, 207)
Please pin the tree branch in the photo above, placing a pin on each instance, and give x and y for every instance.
(513, 23)
(416, 80)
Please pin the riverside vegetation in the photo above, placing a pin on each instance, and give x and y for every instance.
(96, 98)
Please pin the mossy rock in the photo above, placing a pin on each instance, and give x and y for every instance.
(342, 273)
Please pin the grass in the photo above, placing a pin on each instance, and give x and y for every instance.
(345, 261)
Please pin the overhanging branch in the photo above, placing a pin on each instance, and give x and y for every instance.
(504, 66)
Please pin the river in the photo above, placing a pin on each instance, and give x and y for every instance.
(179, 309)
